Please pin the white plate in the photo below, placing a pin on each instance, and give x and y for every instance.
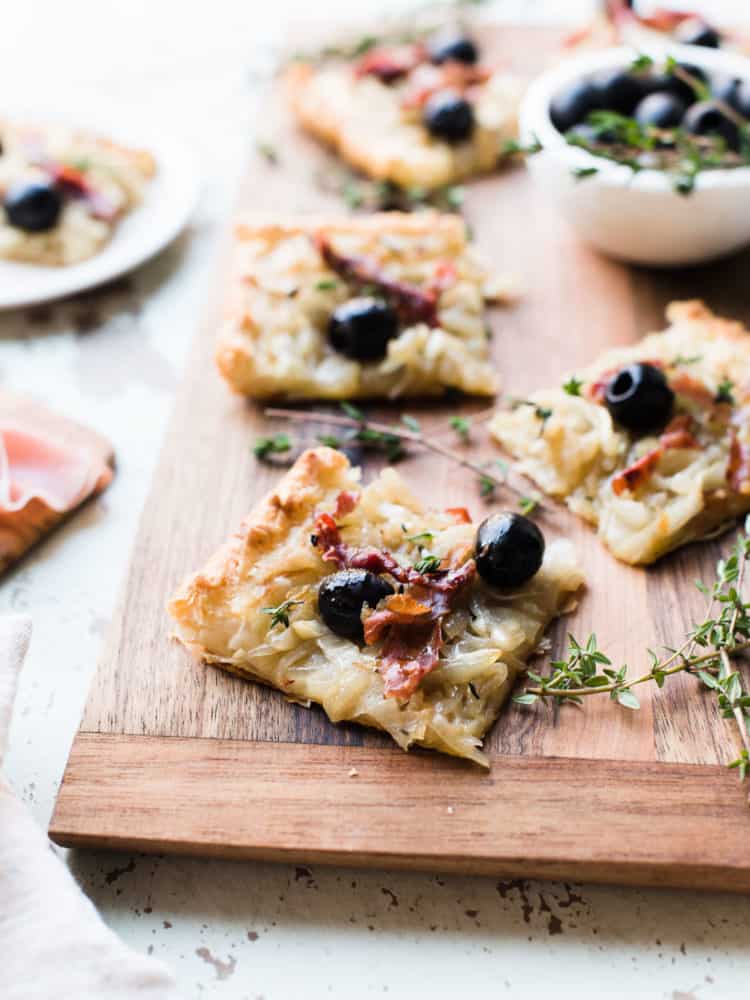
(167, 205)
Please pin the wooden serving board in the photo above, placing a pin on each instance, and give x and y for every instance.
(174, 756)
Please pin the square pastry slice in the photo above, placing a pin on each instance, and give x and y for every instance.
(365, 602)
(651, 444)
(62, 192)
(380, 306)
(415, 115)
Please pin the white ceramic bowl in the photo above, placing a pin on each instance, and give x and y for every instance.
(637, 217)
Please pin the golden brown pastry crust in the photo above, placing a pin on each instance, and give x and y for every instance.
(578, 451)
(273, 342)
(363, 121)
(219, 610)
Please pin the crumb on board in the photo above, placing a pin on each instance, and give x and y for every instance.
(353, 772)
(450, 810)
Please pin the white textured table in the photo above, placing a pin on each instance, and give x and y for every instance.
(114, 359)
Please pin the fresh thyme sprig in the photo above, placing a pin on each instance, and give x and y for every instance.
(280, 614)
(278, 444)
(428, 564)
(706, 653)
(372, 431)
(362, 194)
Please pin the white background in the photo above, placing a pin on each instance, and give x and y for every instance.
(114, 360)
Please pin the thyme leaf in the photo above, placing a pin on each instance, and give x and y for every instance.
(280, 614)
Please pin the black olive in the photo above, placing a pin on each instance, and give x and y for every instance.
(587, 134)
(639, 398)
(725, 88)
(449, 116)
(509, 549)
(460, 48)
(707, 118)
(34, 207)
(695, 31)
(661, 110)
(618, 90)
(653, 82)
(741, 101)
(342, 596)
(572, 105)
(361, 328)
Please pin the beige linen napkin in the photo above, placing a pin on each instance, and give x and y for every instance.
(53, 945)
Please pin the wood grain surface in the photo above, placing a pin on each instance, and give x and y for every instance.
(372, 806)
(147, 687)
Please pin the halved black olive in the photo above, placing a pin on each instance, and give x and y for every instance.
(639, 398)
(342, 596)
(661, 110)
(707, 118)
(362, 327)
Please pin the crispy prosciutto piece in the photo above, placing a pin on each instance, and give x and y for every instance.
(638, 473)
(677, 434)
(409, 623)
(408, 655)
(738, 469)
(75, 183)
(414, 305)
(390, 63)
(428, 80)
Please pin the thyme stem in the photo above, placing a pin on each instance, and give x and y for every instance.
(686, 665)
(413, 437)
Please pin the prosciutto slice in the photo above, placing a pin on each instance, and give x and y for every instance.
(410, 622)
(41, 480)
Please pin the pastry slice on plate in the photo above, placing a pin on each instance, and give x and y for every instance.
(387, 305)
(360, 599)
(63, 191)
(651, 444)
(417, 115)
(49, 466)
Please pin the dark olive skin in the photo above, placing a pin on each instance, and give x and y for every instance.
(459, 48)
(342, 596)
(587, 134)
(725, 87)
(741, 100)
(509, 550)
(618, 90)
(695, 31)
(660, 110)
(449, 116)
(571, 105)
(707, 118)
(653, 82)
(639, 398)
(361, 328)
(34, 207)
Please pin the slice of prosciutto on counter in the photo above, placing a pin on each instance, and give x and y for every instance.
(48, 467)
